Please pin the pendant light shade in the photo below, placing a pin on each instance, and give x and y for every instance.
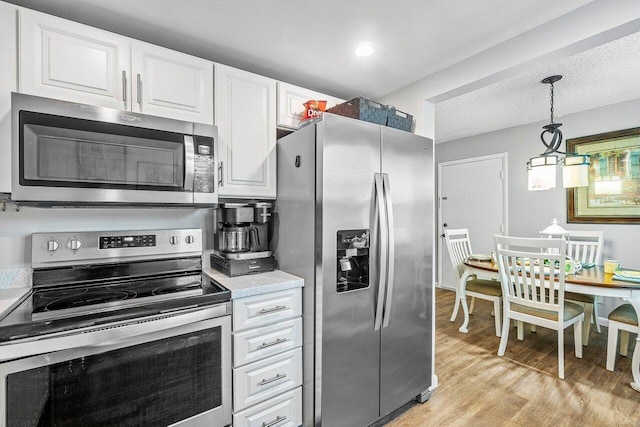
(542, 169)
(575, 171)
(542, 172)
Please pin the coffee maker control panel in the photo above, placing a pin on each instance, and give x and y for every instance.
(352, 260)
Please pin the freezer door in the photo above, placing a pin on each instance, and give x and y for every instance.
(407, 161)
(349, 357)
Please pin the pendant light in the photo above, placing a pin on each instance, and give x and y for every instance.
(542, 169)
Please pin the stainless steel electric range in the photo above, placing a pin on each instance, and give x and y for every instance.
(121, 328)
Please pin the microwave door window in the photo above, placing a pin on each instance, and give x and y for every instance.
(57, 156)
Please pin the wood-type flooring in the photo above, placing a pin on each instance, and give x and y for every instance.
(478, 388)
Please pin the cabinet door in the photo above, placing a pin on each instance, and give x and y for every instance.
(171, 84)
(8, 79)
(245, 113)
(291, 101)
(66, 60)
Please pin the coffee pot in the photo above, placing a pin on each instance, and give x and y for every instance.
(243, 229)
(239, 238)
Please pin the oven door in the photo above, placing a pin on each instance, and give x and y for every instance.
(171, 376)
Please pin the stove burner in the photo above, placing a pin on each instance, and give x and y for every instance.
(61, 293)
(90, 298)
(172, 288)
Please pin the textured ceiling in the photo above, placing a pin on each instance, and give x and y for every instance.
(600, 76)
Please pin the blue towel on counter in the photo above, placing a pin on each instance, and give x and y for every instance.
(626, 278)
(588, 265)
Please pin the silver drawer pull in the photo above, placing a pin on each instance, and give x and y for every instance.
(272, 343)
(270, 380)
(271, 310)
(253, 267)
(278, 419)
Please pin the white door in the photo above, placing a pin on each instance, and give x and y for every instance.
(74, 62)
(245, 114)
(171, 84)
(471, 194)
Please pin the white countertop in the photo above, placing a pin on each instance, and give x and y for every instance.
(255, 284)
(10, 298)
(251, 284)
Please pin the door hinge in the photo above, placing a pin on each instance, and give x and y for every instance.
(502, 228)
(501, 175)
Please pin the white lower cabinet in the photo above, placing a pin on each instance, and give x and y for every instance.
(284, 410)
(267, 359)
(267, 378)
(258, 343)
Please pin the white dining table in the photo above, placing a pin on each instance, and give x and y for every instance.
(591, 281)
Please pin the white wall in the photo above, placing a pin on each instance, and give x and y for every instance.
(531, 211)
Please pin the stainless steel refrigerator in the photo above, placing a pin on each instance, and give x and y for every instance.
(354, 218)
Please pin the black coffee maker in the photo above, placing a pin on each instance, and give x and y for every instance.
(241, 244)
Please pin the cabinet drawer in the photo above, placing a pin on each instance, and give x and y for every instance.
(266, 378)
(284, 410)
(260, 310)
(256, 344)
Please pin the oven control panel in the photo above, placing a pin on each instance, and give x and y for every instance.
(98, 247)
(109, 242)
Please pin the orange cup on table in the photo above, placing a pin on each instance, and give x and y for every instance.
(610, 266)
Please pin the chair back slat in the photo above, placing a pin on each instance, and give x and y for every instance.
(531, 269)
(586, 246)
(459, 247)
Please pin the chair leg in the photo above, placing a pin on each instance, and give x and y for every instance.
(496, 310)
(456, 306)
(588, 314)
(473, 304)
(612, 343)
(577, 336)
(520, 327)
(534, 328)
(504, 336)
(561, 353)
(595, 315)
(624, 343)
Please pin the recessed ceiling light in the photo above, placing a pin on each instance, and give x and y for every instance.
(364, 49)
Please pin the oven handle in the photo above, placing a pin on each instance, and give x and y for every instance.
(109, 334)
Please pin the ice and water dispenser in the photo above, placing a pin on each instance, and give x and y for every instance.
(352, 260)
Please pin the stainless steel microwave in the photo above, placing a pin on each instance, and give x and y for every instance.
(75, 154)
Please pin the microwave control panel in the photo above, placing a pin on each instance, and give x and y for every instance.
(204, 165)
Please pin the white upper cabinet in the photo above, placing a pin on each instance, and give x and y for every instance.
(171, 84)
(65, 60)
(8, 82)
(245, 112)
(291, 101)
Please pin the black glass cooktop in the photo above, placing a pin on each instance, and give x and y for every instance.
(74, 291)
(79, 296)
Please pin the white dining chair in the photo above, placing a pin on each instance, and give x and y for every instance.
(586, 247)
(459, 247)
(625, 320)
(533, 289)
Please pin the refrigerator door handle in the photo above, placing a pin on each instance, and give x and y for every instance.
(382, 223)
(391, 249)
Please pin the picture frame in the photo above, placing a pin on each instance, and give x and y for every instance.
(613, 193)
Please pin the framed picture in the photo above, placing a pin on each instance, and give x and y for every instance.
(613, 194)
